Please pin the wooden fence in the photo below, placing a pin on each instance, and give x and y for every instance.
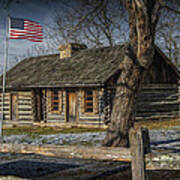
(139, 154)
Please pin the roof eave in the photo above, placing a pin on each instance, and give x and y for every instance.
(70, 85)
(67, 85)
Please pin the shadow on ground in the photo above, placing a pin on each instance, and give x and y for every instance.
(76, 169)
(31, 168)
(166, 145)
(165, 141)
(153, 175)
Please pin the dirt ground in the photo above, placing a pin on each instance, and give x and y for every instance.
(154, 175)
(38, 167)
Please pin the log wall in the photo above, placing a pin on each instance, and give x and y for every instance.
(81, 116)
(25, 108)
(24, 105)
(158, 102)
(153, 102)
(7, 105)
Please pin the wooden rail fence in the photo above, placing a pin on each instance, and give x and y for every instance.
(139, 154)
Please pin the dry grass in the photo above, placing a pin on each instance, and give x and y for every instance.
(153, 124)
(37, 130)
(46, 130)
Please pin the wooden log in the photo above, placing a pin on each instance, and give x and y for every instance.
(156, 100)
(157, 114)
(25, 103)
(84, 152)
(26, 115)
(25, 94)
(6, 116)
(5, 103)
(162, 102)
(164, 93)
(139, 145)
(6, 110)
(157, 109)
(56, 116)
(49, 116)
(159, 90)
(137, 118)
(89, 117)
(25, 119)
(28, 97)
(159, 86)
(55, 120)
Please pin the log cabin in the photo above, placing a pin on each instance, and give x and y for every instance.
(78, 86)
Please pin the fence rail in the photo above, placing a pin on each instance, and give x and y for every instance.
(139, 154)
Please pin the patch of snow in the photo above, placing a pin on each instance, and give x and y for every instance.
(159, 139)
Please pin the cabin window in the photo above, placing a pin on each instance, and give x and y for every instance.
(88, 101)
(55, 101)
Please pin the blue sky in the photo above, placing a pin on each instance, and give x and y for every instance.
(37, 10)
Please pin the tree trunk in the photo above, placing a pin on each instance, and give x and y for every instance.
(124, 101)
(142, 22)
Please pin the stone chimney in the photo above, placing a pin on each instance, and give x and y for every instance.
(67, 50)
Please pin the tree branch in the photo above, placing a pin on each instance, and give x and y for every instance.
(170, 9)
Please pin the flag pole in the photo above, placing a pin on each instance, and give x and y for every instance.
(4, 76)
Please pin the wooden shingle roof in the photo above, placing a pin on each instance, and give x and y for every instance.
(86, 67)
(89, 67)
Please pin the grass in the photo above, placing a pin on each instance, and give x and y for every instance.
(159, 124)
(36, 130)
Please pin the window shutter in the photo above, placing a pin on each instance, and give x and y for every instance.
(95, 102)
(49, 100)
(9, 110)
(60, 101)
(82, 101)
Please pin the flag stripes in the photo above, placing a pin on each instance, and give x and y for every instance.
(25, 29)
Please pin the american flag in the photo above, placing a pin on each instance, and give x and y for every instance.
(25, 29)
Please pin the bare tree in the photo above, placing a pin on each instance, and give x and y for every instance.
(168, 34)
(99, 23)
(95, 23)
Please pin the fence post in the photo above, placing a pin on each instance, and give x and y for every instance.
(139, 146)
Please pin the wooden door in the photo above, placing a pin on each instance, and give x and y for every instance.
(38, 105)
(72, 101)
(14, 107)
